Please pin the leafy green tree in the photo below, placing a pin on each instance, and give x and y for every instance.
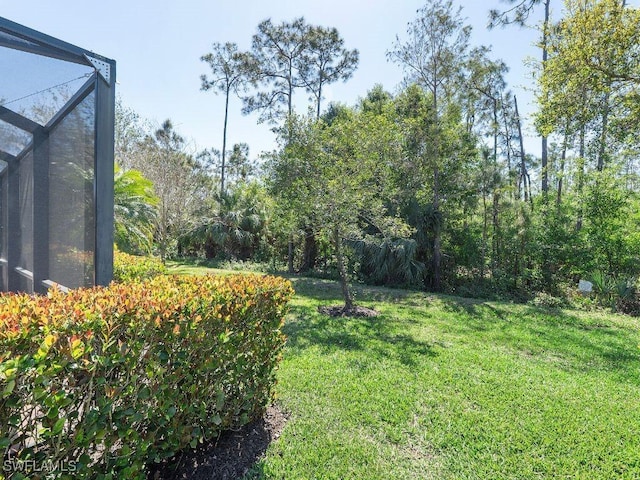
(487, 108)
(615, 33)
(290, 56)
(589, 93)
(518, 13)
(230, 73)
(276, 52)
(342, 172)
(433, 56)
(241, 167)
(325, 61)
(415, 173)
(589, 87)
(130, 130)
(375, 100)
(162, 158)
(609, 225)
(181, 183)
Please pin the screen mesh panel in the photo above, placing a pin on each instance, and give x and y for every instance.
(36, 86)
(71, 203)
(26, 212)
(57, 106)
(12, 139)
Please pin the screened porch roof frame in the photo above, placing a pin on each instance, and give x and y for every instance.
(19, 37)
(101, 82)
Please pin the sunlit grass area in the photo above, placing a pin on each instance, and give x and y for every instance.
(443, 387)
(450, 388)
(195, 267)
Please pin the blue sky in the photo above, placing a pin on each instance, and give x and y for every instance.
(157, 47)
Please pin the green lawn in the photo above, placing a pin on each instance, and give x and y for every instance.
(194, 268)
(450, 388)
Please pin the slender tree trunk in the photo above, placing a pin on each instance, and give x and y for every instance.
(495, 132)
(290, 92)
(290, 104)
(437, 241)
(485, 222)
(580, 185)
(545, 153)
(495, 257)
(545, 167)
(224, 142)
(522, 182)
(437, 262)
(319, 97)
(290, 255)
(495, 222)
(525, 181)
(310, 255)
(507, 139)
(517, 262)
(164, 216)
(163, 232)
(342, 271)
(523, 239)
(563, 159)
(290, 267)
(603, 133)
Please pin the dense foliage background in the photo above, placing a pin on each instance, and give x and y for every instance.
(428, 186)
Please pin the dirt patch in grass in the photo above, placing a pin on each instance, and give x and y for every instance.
(341, 311)
(230, 457)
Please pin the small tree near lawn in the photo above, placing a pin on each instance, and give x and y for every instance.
(341, 173)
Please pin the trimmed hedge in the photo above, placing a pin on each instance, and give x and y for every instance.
(100, 382)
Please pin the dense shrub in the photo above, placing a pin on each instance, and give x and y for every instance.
(543, 299)
(101, 382)
(628, 298)
(132, 267)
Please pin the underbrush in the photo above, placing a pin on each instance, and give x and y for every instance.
(610, 292)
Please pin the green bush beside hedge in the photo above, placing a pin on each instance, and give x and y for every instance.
(127, 268)
(100, 382)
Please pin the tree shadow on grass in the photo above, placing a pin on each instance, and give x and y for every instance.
(321, 289)
(576, 343)
(380, 337)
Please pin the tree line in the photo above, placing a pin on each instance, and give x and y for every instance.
(428, 186)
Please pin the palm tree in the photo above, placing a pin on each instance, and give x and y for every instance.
(237, 228)
(134, 211)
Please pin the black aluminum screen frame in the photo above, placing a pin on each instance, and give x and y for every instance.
(102, 84)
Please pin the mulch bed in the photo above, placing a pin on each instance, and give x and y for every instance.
(340, 311)
(230, 457)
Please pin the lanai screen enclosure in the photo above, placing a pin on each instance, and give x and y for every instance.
(57, 105)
